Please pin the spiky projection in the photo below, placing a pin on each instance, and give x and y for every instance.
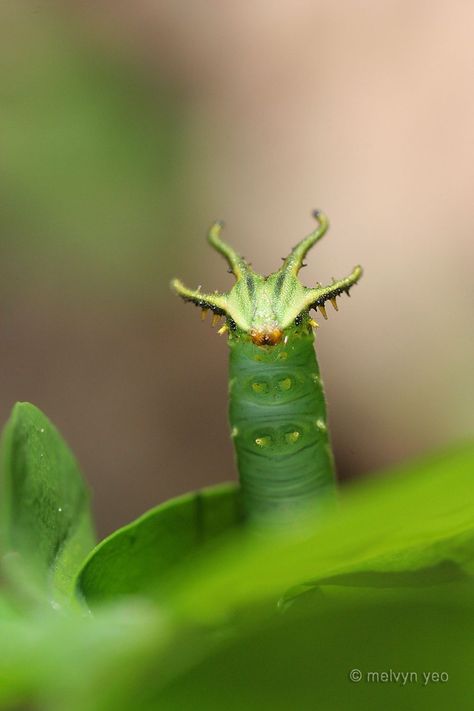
(267, 309)
(277, 408)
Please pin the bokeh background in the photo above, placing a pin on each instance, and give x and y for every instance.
(127, 127)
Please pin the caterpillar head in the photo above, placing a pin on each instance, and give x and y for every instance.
(266, 309)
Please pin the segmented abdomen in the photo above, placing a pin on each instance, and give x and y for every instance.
(279, 427)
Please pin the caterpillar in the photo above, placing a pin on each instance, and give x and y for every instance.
(277, 407)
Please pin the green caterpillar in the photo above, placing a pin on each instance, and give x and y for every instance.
(277, 406)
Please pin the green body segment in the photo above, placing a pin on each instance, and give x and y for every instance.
(279, 429)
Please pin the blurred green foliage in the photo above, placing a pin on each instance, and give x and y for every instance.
(93, 152)
(412, 528)
(221, 612)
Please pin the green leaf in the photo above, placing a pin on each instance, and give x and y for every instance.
(415, 527)
(297, 656)
(302, 660)
(139, 556)
(45, 519)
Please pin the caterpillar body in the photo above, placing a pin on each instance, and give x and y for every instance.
(277, 406)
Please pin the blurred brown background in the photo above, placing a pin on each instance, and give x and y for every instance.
(127, 127)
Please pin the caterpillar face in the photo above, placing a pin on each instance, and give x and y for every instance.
(267, 309)
(266, 338)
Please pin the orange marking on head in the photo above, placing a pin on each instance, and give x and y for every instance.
(267, 338)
